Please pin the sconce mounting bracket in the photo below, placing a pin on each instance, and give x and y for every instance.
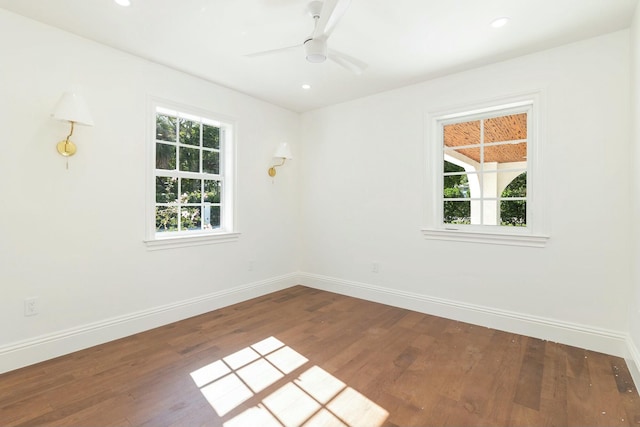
(66, 148)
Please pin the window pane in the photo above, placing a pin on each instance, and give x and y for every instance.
(485, 184)
(490, 213)
(189, 132)
(513, 213)
(165, 156)
(457, 212)
(166, 218)
(189, 159)
(190, 191)
(459, 134)
(166, 189)
(507, 153)
(211, 162)
(468, 156)
(457, 187)
(506, 128)
(212, 191)
(189, 164)
(517, 186)
(215, 217)
(190, 218)
(451, 167)
(211, 216)
(210, 136)
(165, 128)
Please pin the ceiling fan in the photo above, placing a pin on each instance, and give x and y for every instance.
(326, 16)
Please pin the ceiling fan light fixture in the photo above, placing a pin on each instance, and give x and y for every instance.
(315, 50)
(500, 22)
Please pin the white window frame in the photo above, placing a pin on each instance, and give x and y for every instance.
(535, 234)
(176, 239)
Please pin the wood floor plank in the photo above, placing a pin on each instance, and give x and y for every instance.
(529, 389)
(70, 408)
(109, 412)
(327, 359)
(554, 385)
(610, 406)
(490, 390)
(525, 416)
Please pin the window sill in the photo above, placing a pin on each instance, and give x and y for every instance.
(533, 241)
(186, 241)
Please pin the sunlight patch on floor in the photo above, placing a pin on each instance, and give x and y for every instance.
(291, 405)
(313, 398)
(226, 393)
(259, 375)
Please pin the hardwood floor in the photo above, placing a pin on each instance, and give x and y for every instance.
(307, 356)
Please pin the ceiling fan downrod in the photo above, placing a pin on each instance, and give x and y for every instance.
(315, 49)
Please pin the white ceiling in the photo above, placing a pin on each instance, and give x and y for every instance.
(402, 41)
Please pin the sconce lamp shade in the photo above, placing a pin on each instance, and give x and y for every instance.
(283, 152)
(72, 108)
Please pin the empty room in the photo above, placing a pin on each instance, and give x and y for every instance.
(319, 213)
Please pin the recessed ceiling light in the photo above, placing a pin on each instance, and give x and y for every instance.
(306, 86)
(124, 3)
(499, 22)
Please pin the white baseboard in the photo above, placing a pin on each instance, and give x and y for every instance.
(38, 349)
(583, 336)
(27, 352)
(633, 361)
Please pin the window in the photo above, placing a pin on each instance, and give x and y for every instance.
(192, 177)
(485, 163)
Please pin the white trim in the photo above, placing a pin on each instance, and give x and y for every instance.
(583, 336)
(19, 354)
(537, 224)
(490, 238)
(185, 241)
(227, 175)
(487, 109)
(633, 361)
(27, 352)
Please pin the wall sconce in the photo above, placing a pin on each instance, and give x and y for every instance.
(282, 152)
(71, 108)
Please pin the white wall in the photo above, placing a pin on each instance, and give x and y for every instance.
(364, 166)
(634, 158)
(74, 238)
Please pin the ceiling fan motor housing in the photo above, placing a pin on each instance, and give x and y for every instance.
(316, 50)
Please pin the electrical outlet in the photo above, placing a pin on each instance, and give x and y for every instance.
(375, 267)
(31, 306)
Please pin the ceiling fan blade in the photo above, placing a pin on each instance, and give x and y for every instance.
(272, 51)
(332, 11)
(350, 63)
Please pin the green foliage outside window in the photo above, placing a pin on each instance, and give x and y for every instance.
(190, 196)
(456, 186)
(187, 203)
(514, 212)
